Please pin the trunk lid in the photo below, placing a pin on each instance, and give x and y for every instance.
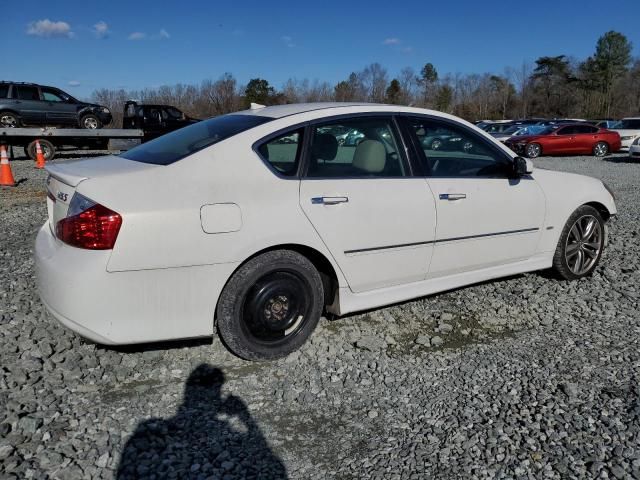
(64, 179)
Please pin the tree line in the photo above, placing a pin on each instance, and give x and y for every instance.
(604, 85)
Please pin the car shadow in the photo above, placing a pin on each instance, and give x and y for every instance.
(621, 159)
(210, 436)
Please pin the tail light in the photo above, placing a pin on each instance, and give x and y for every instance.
(89, 225)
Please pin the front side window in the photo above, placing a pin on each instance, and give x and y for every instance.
(24, 92)
(282, 153)
(355, 148)
(178, 144)
(452, 151)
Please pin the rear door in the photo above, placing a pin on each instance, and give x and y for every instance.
(377, 220)
(586, 136)
(26, 99)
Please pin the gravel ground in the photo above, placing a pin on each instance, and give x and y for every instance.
(526, 377)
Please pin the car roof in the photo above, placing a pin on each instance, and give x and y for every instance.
(279, 111)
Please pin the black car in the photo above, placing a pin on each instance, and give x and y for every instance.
(155, 120)
(25, 104)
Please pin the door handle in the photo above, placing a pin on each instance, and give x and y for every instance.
(329, 200)
(452, 196)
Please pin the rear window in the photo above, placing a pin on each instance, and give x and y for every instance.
(178, 144)
(4, 91)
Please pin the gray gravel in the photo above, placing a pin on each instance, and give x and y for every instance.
(526, 377)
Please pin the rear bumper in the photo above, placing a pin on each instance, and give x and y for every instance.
(634, 151)
(125, 307)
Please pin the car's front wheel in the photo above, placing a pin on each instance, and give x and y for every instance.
(581, 244)
(90, 122)
(533, 150)
(270, 306)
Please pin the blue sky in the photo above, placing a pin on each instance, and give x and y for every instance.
(80, 46)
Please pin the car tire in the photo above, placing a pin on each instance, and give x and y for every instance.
(270, 306)
(48, 150)
(436, 144)
(581, 244)
(90, 122)
(600, 149)
(9, 120)
(533, 150)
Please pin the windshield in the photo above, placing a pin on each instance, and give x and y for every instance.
(512, 129)
(629, 124)
(176, 145)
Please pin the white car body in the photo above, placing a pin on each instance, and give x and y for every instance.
(634, 150)
(627, 135)
(187, 226)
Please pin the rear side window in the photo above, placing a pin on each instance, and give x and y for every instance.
(26, 93)
(4, 91)
(355, 148)
(178, 144)
(282, 153)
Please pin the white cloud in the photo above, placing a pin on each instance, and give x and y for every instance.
(288, 41)
(406, 49)
(137, 36)
(74, 83)
(164, 33)
(391, 41)
(101, 29)
(47, 28)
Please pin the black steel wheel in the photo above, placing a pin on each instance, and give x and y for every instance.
(270, 306)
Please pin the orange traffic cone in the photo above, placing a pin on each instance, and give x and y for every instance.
(39, 156)
(6, 176)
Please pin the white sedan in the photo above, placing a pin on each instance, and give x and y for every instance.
(629, 130)
(253, 224)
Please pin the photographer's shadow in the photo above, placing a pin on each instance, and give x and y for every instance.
(208, 437)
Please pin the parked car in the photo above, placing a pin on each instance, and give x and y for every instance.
(518, 130)
(497, 126)
(220, 227)
(26, 104)
(606, 123)
(634, 149)
(156, 120)
(578, 138)
(629, 130)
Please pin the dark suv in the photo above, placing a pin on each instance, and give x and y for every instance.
(23, 104)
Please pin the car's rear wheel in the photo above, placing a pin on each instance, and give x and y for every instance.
(90, 122)
(533, 150)
(600, 149)
(48, 150)
(270, 306)
(581, 244)
(9, 120)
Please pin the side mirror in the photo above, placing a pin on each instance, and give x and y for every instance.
(522, 166)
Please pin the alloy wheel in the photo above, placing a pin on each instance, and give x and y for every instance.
(584, 244)
(8, 121)
(90, 123)
(600, 150)
(533, 150)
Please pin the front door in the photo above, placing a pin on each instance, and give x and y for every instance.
(377, 221)
(485, 216)
(59, 109)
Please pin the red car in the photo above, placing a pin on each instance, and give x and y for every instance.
(578, 138)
